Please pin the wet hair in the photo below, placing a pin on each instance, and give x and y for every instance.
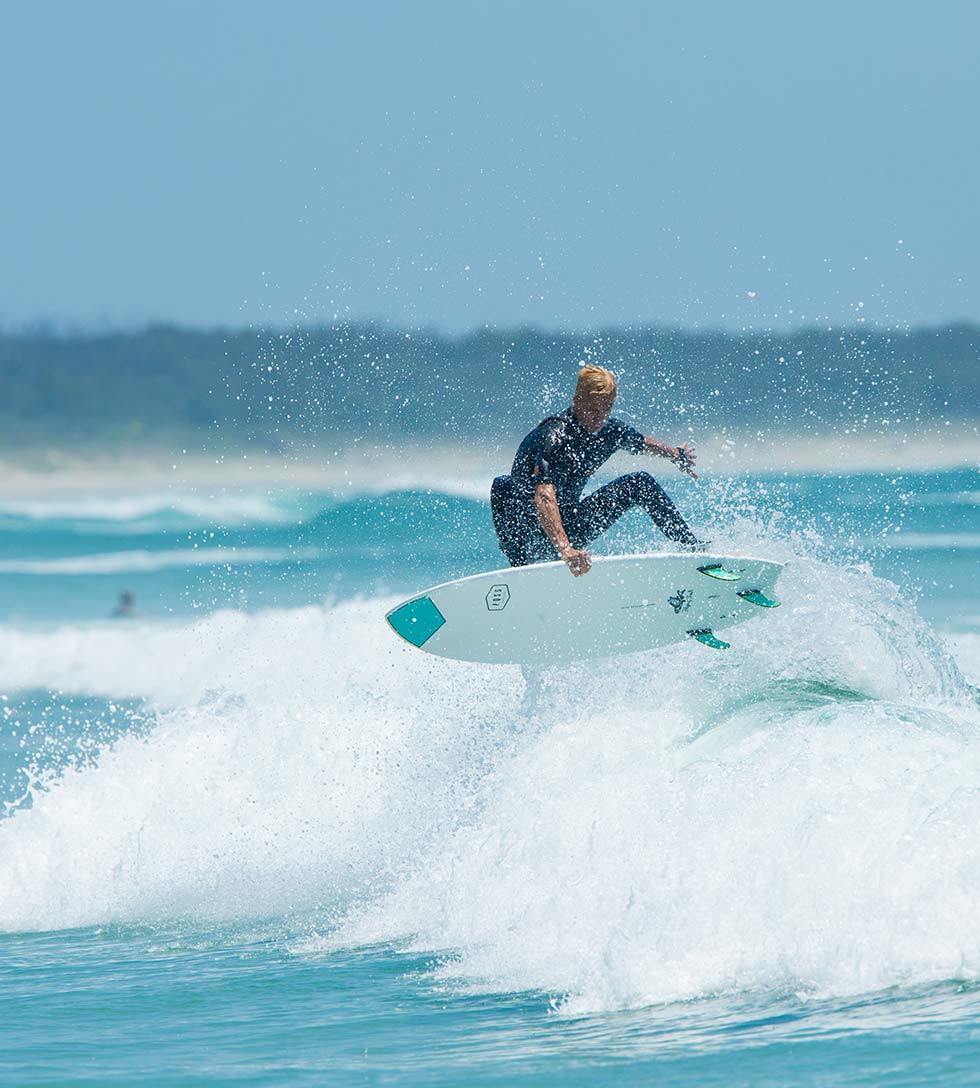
(595, 381)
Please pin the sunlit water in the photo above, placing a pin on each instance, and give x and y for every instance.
(250, 837)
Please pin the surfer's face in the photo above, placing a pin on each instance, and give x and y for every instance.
(592, 412)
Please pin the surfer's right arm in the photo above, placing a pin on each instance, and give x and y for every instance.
(546, 505)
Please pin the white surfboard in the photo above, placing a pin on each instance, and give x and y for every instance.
(540, 613)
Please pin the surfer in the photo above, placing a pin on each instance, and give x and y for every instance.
(538, 510)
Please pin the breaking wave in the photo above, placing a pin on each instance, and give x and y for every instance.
(797, 814)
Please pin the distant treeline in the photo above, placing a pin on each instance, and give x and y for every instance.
(317, 386)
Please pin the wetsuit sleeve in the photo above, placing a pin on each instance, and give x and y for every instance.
(545, 457)
(628, 438)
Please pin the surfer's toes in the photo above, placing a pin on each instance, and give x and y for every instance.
(696, 546)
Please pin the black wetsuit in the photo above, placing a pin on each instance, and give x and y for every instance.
(562, 452)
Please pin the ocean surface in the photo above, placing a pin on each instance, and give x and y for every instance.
(248, 837)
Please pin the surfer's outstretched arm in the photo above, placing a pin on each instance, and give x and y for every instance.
(546, 505)
(682, 456)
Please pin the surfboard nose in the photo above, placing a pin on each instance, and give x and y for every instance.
(416, 621)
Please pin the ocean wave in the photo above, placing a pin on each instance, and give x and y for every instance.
(143, 561)
(859, 498)
(927, 541)
(141, 512)
(797, 813)
(245, 507)
(947, 498)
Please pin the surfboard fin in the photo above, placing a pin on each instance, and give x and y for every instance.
(707, 637)
(716, 570)
(756, 596)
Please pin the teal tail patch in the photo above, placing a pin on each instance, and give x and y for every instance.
(416, 621)
(716, 570)
(707, 637)
(756, 596)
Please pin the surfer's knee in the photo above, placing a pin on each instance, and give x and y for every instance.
(644, 483)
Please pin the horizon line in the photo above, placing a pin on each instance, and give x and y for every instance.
(50, 329)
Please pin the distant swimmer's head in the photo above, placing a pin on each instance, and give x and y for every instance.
(595, 392)
(125, 606)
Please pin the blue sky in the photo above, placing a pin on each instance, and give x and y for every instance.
(460, 164)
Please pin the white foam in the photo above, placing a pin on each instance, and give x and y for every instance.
(965, 646)
(139, 560)
(833, 852)
(310, 754)
(230, 508)
(171, 664)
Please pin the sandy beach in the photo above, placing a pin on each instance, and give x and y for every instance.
(46, 472)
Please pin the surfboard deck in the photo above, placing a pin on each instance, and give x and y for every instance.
(541, 614)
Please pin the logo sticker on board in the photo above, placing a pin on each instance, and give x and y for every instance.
(681, 600)
(497, 598)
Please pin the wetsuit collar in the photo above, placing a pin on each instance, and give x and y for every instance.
(573, 419)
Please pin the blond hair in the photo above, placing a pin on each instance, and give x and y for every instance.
(595, 381)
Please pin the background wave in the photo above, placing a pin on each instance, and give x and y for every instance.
(148, 510)
(134, 560)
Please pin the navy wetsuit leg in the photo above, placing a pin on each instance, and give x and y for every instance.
(594, 514)
(521, 538)
(504, 521)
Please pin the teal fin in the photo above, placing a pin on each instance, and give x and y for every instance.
(716, 570)
(416, 621)
(707, 637)
(756, 596)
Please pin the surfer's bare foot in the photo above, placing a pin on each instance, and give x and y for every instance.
(696, 546)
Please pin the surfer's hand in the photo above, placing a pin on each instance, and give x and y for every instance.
(577, 560)
(684, 459)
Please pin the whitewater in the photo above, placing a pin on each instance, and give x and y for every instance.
(636, 865)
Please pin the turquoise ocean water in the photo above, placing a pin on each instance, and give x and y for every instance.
(248, 837)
